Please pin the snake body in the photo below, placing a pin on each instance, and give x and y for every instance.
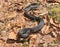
(25, 32)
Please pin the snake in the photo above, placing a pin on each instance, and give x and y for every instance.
(25, 32)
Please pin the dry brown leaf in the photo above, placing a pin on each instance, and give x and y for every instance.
(45, 29)
(11, 15)
(52, 22)
(48, 39)
(12, 35)
(33, 40)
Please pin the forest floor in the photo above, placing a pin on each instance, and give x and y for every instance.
(12, 13)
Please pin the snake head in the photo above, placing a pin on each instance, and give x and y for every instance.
(24, 33)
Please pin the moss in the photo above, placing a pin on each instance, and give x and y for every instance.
(54, 12)
(56, 41)
(25, 44)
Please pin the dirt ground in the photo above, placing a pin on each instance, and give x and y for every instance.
(12, 20)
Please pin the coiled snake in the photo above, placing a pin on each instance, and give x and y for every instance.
(25, 32)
